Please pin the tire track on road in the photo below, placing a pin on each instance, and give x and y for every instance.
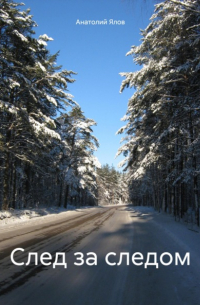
(25, 273)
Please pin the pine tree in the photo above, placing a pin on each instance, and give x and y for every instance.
(32, 90)
(162, 141)
(112, 186)
(80, 163)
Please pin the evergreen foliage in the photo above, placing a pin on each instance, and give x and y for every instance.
(162, 132)
(43, 159)
(112, 186)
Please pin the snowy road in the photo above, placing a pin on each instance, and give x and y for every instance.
(101, 230)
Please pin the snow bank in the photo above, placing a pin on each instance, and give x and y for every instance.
(24, 215)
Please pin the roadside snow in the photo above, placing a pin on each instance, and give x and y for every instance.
(184, 234)
(24, 216)
(166, 218)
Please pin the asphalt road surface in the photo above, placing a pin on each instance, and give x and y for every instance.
(100, 230)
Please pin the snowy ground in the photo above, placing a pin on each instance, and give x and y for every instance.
(23, 215)
(183, 222)
(101, 230)
(13, 218)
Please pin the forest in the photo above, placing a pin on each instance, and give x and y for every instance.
(47, 144)
(162, 131)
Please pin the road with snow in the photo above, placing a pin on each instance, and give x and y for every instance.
(101, 230)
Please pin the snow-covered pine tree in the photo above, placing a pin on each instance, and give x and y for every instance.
(32, 90)
(162, 142)
(78, 160)
(112, 186)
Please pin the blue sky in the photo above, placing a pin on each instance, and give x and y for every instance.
(97, 54)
